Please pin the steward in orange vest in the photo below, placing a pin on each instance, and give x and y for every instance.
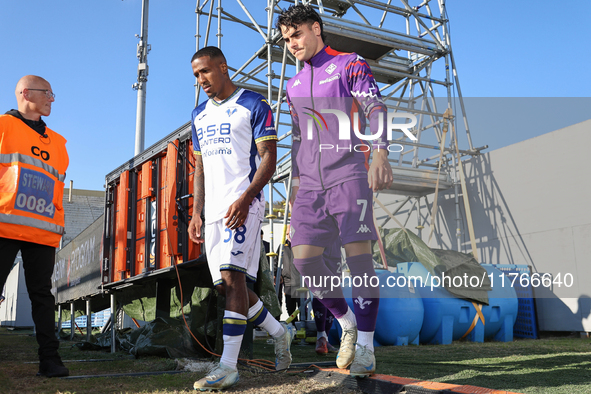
(33, 163)
(32, 173)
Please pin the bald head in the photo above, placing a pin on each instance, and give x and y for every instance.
(31, 82)
(32, 97)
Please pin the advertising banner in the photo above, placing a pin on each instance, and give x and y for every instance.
(77, 271)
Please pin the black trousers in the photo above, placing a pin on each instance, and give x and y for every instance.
(38, 262)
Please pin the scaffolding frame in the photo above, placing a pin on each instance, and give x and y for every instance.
(409, 50)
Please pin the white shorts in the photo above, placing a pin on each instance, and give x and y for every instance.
(236, 250)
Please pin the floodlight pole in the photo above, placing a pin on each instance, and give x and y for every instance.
(142, 78)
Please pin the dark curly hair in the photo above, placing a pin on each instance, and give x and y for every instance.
(296, 15)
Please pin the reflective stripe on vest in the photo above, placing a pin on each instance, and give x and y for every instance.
(30, 222)
(32, 174)
(17, 157)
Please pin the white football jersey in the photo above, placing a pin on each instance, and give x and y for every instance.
(225, 135)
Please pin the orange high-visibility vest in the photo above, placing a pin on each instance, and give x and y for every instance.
(32, 174)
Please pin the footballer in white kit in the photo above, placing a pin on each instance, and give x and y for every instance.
(225, 134)
(235, 156)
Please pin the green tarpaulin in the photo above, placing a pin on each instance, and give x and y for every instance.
(404, 246)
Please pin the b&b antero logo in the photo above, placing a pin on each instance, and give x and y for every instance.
(345, 125)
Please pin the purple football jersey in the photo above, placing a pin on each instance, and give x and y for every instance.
(333, 93)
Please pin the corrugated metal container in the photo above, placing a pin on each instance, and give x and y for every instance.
(147, 210)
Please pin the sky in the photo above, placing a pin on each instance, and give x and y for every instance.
(536, 55)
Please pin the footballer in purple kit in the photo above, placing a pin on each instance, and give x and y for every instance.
(333, 189)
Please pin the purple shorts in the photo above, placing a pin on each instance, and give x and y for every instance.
(319, 217)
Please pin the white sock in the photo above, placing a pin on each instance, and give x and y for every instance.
(232, 342)
(231, 350)
(320, 334)
(272, 326)
(348, 320)
(365, 338)
(253, 310)
(269, 324)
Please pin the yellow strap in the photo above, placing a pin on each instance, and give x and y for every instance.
(478, 315)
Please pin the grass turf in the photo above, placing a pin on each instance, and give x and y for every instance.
(549, 365)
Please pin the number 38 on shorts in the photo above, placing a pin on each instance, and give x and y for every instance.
(237, 250)
(239, 235)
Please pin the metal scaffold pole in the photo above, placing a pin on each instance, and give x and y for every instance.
(142, 78)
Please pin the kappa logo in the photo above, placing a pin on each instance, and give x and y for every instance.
(296, 83)
(363, 229)
(231, 111)
(362, 303)
(330, 69)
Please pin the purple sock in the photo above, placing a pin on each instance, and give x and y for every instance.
(317, 277)
(319, 314)
(329, 320)
(366, 298)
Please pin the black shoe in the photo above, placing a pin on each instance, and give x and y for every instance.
(52, 368)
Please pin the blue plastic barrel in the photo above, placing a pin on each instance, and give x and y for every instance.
(448, 318)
